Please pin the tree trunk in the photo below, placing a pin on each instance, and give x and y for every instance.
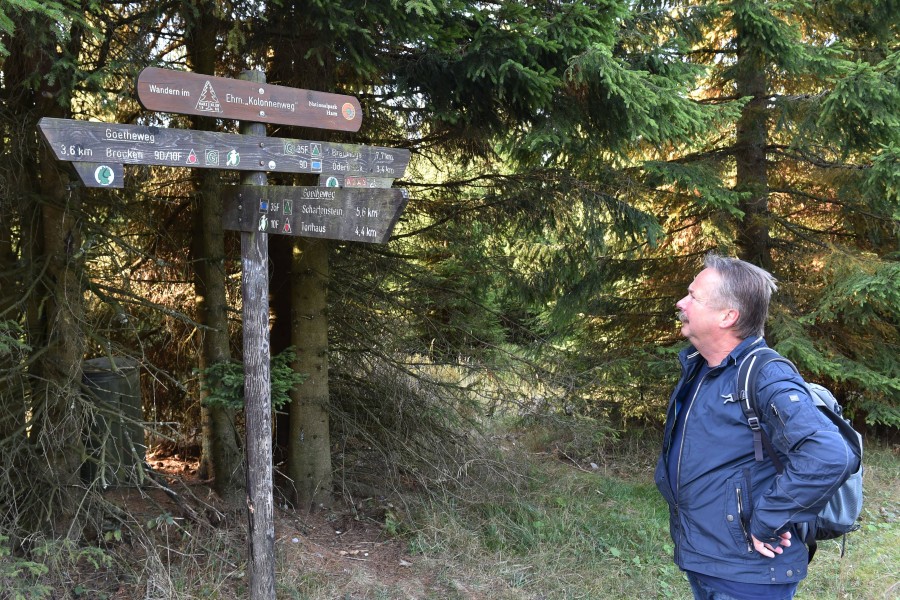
(221, 456)
(750, 152)
(309, 445)
(12, 392)
(309, 452)
(54, 306)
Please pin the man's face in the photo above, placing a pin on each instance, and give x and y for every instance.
(698, 312)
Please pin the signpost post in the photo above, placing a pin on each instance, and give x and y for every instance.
(352, 203)
(258, 392)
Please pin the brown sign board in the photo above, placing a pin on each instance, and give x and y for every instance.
(86, 141)
(357, 215)
(100, 175)
(188, 93)
(355, 181)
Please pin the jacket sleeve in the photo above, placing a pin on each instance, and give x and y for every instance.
(816, 458)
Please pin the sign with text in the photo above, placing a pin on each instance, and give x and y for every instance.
(195, 94)
(86, 141)
(356, 215)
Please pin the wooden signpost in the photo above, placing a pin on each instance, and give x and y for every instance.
(352, 203)
(195, 94)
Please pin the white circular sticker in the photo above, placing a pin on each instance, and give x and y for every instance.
(104, 175)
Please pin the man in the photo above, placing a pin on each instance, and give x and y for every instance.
(733, 519)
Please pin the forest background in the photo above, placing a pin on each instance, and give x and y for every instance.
(572, 163)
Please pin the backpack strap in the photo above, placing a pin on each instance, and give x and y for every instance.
(748, 376)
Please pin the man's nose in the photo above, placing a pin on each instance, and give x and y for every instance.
(680, 304)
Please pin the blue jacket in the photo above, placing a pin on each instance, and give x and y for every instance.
(722, 494)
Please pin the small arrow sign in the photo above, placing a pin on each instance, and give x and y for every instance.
(357, 215)
(355, 181)
(85, 141)
(195, 94)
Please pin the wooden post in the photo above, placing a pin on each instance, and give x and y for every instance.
(257, 390)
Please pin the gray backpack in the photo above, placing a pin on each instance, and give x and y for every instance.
(838, 517)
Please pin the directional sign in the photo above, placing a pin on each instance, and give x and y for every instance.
(355, 181)
(111, 175)
(194, 94)
(85, 141)
(358, 215)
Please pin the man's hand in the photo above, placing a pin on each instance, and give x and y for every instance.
(769, 549)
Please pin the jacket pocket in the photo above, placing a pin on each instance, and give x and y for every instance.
(661, 478)
(739, 510)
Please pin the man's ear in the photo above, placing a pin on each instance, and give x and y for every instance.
(729, 318)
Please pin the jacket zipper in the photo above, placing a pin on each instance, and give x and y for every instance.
(683, 433)
(740, 507)
(687, 416)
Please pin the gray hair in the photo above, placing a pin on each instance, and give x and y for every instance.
(746, 288)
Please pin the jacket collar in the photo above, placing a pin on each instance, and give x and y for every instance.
(691, 355)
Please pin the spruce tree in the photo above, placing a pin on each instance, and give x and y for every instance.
(802, 183)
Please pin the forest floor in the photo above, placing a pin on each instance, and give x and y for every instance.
(542, 523)
(342, 547)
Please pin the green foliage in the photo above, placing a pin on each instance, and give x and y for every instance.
(56, 566)
(863, 106)
(11, 10)
(18, 576)
(858, 305)
(11, 339)
(223, 383)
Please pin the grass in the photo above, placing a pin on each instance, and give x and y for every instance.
(559, 531)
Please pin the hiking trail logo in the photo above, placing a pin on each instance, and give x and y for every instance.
(208, 101)
(104, 175)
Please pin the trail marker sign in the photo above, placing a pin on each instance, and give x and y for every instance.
(356, 215)
(87, 141)
(187, 93)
